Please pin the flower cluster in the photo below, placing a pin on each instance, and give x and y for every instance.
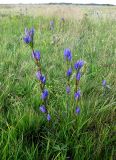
(28, 39)
(77, 66)
(67, 54)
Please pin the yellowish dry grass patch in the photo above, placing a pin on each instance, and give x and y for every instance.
(66, 11)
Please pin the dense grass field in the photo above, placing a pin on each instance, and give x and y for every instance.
(25, 134)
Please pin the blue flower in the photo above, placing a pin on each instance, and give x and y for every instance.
(52, 22)
(27, 39)
(48, 117)
(69, 72)
(78, 76)
(36, 55)
(77, 95)
(42, 109)
(77, 110)
(41, 77)
(67, 54)
(28, 35)
(38, 75)
(44, 94)
(62, 19)
(79, 64)
(104, 83)
(68, 89)
(52, 25)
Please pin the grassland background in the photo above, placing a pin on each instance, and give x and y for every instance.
(24, 132)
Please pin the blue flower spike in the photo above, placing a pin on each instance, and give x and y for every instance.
(29, 40)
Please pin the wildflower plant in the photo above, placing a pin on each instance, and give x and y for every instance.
(29, 40)
(78, 66)
(68, 59)
(52, 25)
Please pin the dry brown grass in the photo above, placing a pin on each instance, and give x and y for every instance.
(66, 11)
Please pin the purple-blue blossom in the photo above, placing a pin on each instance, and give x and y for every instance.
(77, 95)
(69, 72)
(28, 38)
(67, 54)
(78, 76)
(29, 32)
(68, 89)
(48, 117)
(104, 83)
(41, 77)
(77, 110)
(36, 55)
(42, 109)
(52, 25)
(79, 64)
(44, 94)
(62, 19)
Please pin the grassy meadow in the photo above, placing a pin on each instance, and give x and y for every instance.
(90, 33)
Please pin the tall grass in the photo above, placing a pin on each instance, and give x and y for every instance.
(24, 132)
